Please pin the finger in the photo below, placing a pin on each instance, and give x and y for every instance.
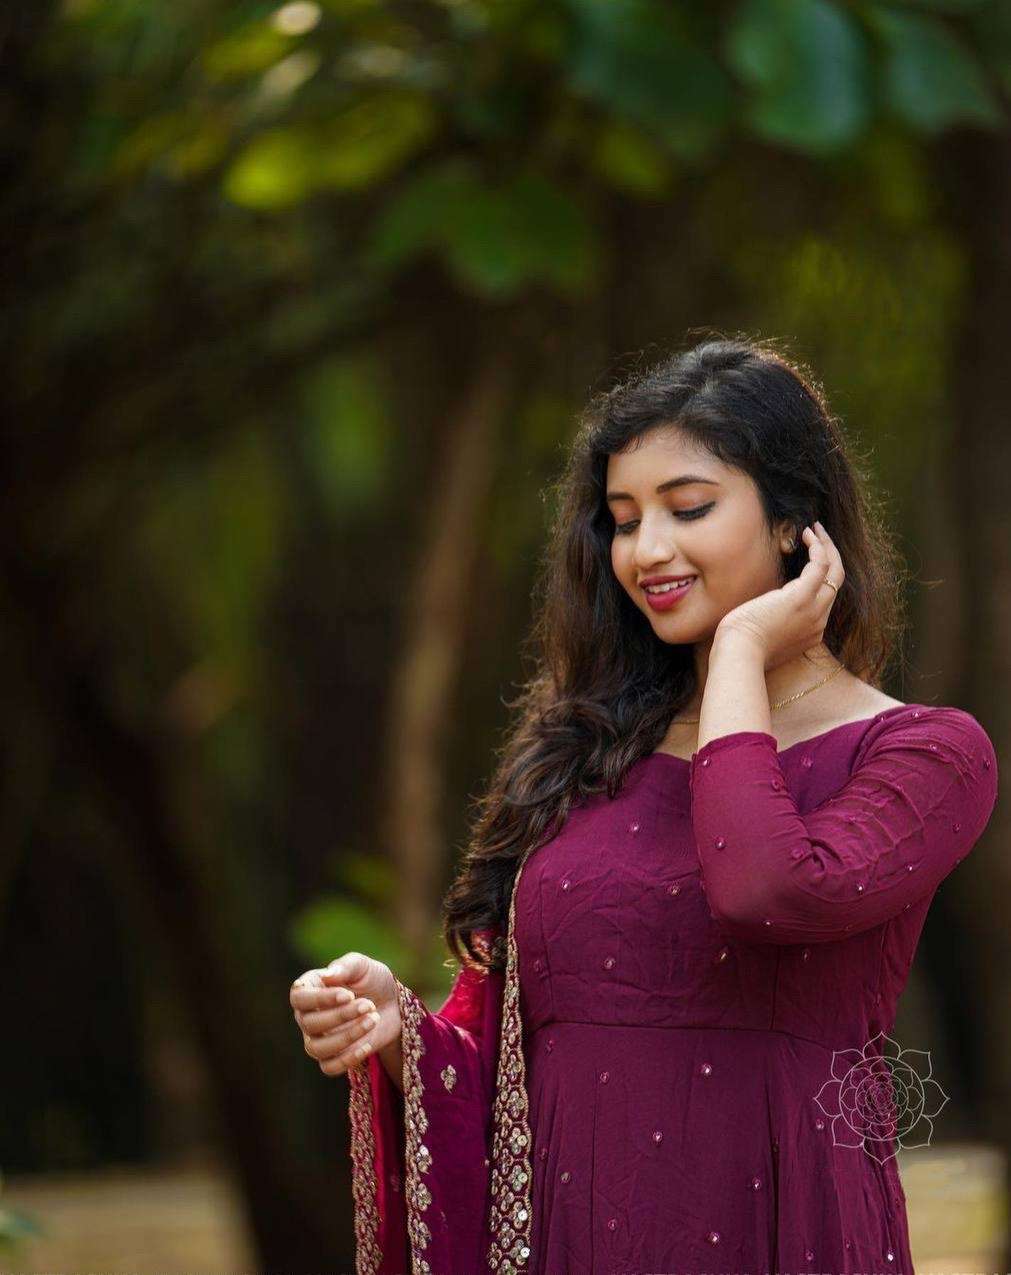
(837, 571)
(342, 999)
(812, 575)
(347, 969)
(321, 1021)
(326, 1048)
(306, 989)
(315, 999)
(353, 1056)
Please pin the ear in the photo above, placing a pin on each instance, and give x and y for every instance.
(786, 536)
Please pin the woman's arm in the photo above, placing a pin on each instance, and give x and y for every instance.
(922, 789)
(736, 697)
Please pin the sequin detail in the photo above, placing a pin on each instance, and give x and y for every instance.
(448, 1075)
(510, 1209)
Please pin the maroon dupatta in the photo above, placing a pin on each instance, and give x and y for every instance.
(441, 1172)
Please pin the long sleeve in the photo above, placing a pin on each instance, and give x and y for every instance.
(420, 1159)
(921, 791)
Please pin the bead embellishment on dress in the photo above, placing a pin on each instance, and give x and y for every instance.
(713, 1237)
(448, 1074)
(706, 1069)
(634, 826)
(719, 843)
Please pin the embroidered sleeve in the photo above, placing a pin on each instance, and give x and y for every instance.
(921, 792)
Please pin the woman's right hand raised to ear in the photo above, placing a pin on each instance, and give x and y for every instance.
(346, 1011)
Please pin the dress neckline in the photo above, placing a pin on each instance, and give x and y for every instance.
(801, 743)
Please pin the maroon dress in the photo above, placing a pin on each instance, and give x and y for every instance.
(686, 1065)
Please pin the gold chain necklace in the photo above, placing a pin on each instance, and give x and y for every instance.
(693, 721)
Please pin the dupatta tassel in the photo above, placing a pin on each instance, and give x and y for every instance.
(509, 1218)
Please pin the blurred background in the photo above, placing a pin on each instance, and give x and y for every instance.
(301, 303)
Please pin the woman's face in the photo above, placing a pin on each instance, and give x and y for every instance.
(678, 511)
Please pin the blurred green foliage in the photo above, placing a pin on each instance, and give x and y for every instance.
(225, 217)
(287, 166)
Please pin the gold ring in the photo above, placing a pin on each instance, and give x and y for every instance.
(831, 585)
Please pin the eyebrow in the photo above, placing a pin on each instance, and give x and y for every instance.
(681, 481)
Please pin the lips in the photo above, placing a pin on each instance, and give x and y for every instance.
(668, 598)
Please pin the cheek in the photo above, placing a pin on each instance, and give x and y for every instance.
(624, 568)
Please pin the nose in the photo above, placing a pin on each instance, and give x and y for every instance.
(654, 545)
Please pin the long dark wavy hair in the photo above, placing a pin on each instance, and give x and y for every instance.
(604, 687)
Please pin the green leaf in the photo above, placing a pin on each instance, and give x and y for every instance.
(413, 220)
(334, 924)
(931, 80)
(629, 160)
(638, 59)
(495, 239)
(807, 65)
(373, 137)
(346, 431)
(362, 144)
(245, 52)
(277, 169)
(525, 231)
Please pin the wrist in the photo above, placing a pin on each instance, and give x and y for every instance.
(741, 643)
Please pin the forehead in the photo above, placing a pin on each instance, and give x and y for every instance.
(661, 454)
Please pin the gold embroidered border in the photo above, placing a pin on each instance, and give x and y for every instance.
(368, 1254)
(418, 1158)
(510, 1210)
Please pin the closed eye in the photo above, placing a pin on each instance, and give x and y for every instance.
(686, 515)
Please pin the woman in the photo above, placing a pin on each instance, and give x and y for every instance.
(696, 884)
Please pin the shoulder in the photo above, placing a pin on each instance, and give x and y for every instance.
(953, 734)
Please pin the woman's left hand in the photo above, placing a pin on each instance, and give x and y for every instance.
(785, 622)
